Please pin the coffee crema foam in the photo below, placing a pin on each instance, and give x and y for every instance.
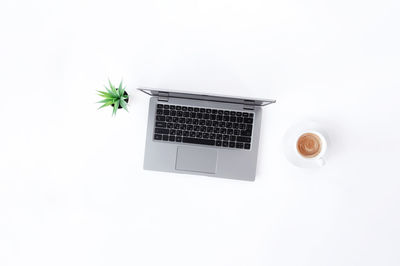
(309, 145)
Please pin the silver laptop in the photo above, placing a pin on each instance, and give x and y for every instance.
(203, 134)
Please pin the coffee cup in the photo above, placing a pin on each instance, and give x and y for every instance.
(311, 145)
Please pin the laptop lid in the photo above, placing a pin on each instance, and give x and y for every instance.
(206, 97)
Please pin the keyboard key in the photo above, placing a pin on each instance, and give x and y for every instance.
(245, 114)
(198, 141)
(160, 118)
(172, 107)
(161, 124)
(248, 120)
(171, 138)
(178, 108)
(251, 115)
(243, 139)
(196, 109)
(231, 144)
(202, 110)
(165, 137)
(218, 143)
(190, 109)
(245, 133)
(213, 111)
(184, 108)
(157, 136)
(178, 139)
(224, 144)
(159, 111)
(166, 106)
(159, 106)
(239, 145)
(238, 114)
(161, 130)
(208, 111)
(247, 146)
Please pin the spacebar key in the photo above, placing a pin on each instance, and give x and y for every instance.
(198, 141)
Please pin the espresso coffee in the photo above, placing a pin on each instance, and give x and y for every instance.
(309, 145)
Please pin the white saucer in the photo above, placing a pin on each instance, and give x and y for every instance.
(289, 144)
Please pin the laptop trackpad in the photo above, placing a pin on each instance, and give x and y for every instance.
(196, 159)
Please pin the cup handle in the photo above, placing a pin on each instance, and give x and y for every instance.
(321, 161)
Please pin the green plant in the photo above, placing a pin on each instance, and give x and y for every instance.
(116, 97)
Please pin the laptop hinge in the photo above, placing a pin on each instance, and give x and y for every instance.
(163, 96)
(248, 105)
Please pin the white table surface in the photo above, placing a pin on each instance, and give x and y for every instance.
(72, 187)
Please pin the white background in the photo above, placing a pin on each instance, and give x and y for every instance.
(72, 187)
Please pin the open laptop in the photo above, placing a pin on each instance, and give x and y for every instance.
(203, 134)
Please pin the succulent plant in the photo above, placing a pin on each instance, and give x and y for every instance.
(116, 97)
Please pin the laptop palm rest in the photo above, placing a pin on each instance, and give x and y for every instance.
(196, 159)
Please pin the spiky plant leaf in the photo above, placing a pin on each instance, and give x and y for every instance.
(105, 101)
(123, 104)
(116, 104)
(112, 92)
(111, 86)
(121, 91)
(106, 104)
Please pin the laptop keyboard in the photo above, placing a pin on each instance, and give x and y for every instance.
(203, 126)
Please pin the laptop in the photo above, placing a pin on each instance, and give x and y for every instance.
(203, 134)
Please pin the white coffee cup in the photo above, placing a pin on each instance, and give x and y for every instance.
(319, 158)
